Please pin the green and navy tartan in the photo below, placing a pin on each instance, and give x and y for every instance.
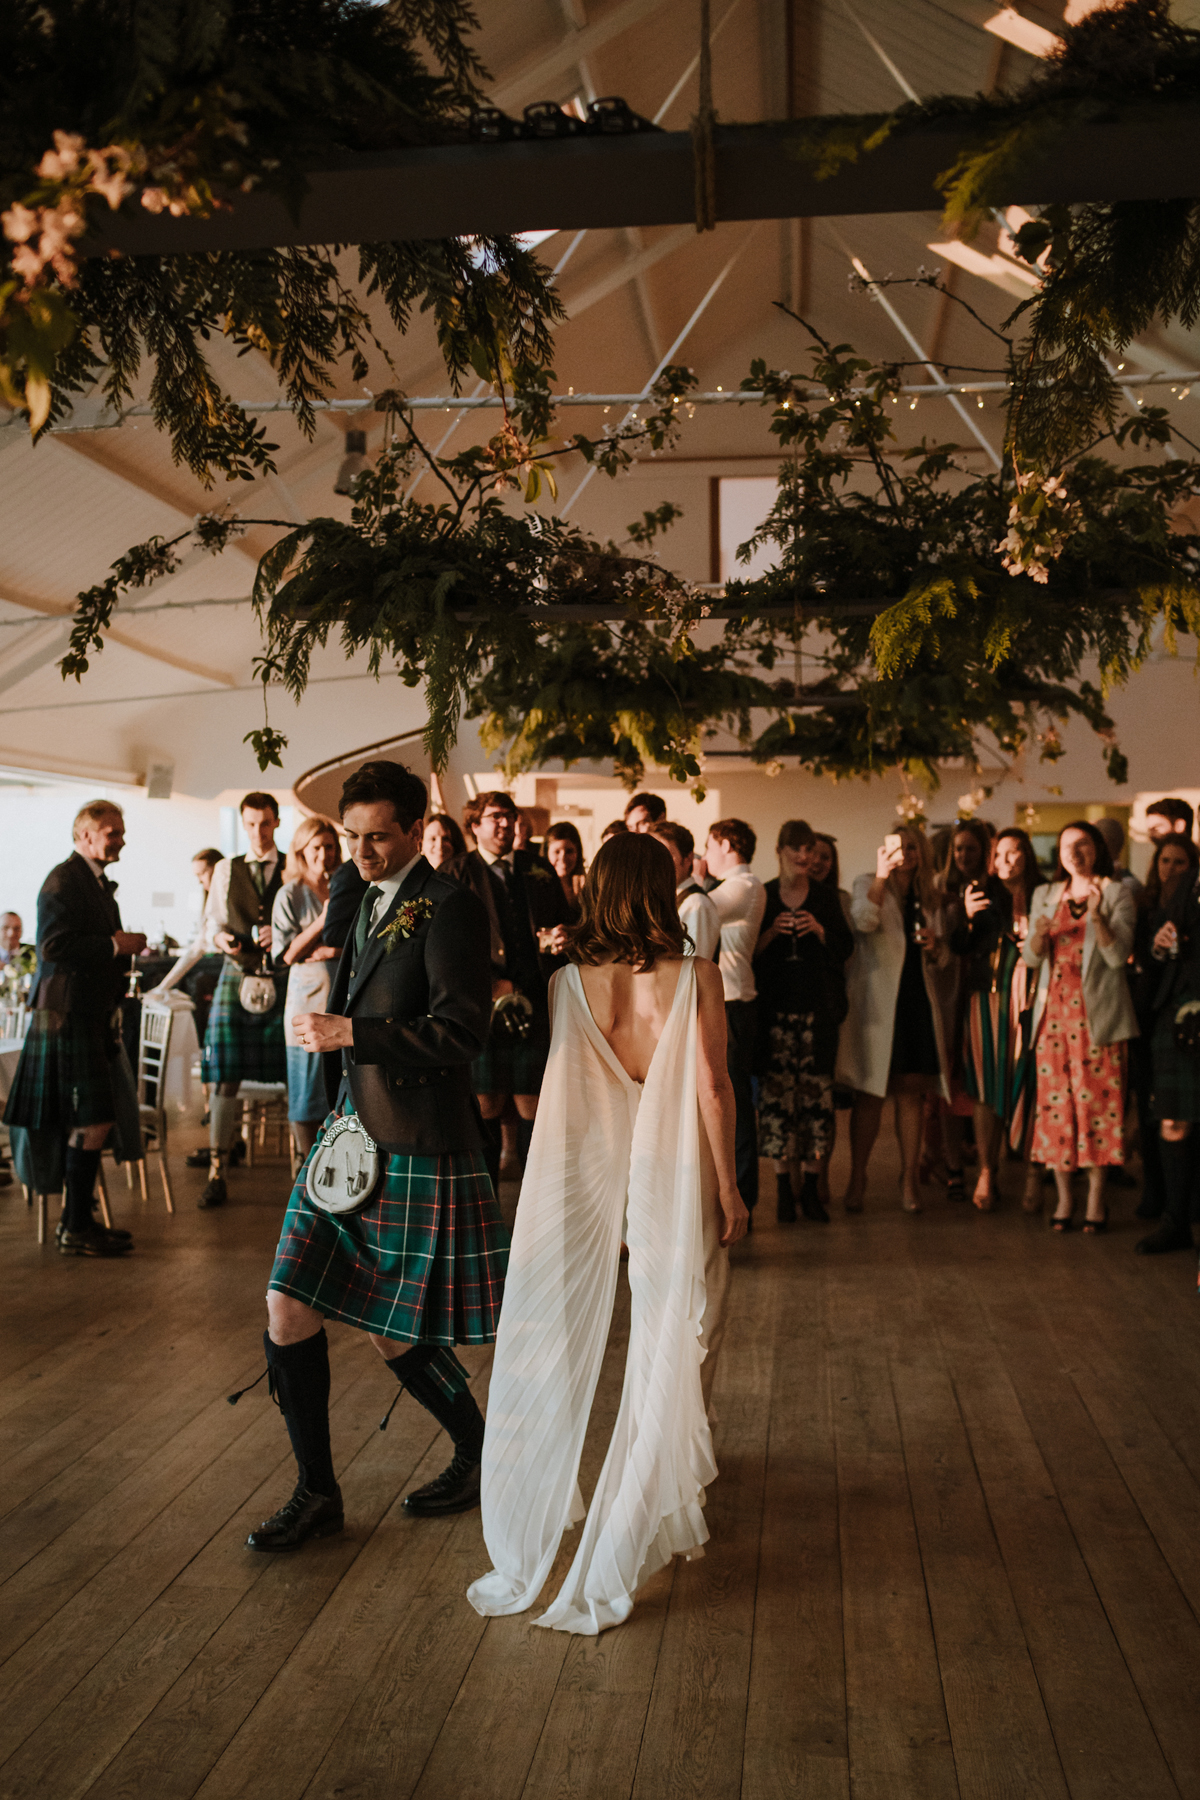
(64, 1078)
(423, 1262)
(242, 1046)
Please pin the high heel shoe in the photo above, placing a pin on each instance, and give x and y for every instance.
(1064, 1224)
(1093, 1227)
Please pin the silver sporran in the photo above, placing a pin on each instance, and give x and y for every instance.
(344, 1170)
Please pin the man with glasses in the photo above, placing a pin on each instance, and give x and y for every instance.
(527, 912)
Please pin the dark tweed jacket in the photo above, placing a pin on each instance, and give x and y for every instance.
(78, 971)
(421, 1007)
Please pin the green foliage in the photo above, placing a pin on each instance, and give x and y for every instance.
(183, 104)
(914, 611)
(1111, 267)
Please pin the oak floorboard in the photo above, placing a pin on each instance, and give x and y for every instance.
(1157, 1630)
(1106, 1744)
(796, 1744)
(694, 1737)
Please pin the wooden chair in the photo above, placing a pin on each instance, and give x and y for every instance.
(264, 1108)
(154, 1047)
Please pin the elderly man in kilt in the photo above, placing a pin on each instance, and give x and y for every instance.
(419, 1265)
(73, 1059)
(240, 1045)
(527, 915)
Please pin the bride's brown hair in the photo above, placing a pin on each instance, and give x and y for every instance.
(629, 909)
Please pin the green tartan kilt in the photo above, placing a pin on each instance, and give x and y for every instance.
(422, 1262)
(242, 1046)
(64, 1078)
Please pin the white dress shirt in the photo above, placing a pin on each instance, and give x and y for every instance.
(741, 901)
(388, 889)
(201, 945)
(699, 917)
(217, 909)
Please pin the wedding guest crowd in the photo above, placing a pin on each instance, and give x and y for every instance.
(1009, 1013)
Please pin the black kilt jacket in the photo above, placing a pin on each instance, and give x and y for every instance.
(421, 1006)
(78, 971)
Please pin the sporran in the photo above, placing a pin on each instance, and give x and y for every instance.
(344, 1170)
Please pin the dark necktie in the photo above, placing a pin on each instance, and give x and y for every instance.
(362, 928)
(257, 876)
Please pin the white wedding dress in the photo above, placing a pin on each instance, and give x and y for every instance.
(610, 1159)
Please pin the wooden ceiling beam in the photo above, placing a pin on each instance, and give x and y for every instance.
(598, 183)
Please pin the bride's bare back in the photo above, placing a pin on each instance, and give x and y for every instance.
(631, 1009)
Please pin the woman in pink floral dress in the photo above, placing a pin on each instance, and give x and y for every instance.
(1080, 933)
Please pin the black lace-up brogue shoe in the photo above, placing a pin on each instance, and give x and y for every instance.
(455, 1490)
(304, 1516)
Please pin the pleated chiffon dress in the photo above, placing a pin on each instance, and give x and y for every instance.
(609, 1159)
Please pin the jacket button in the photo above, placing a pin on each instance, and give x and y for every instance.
(424, 1079)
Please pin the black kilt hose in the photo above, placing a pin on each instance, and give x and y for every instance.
(243, 1046)
(424, 1260)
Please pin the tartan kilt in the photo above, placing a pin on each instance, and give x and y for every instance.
(422, 1262)
(508, 1065)
(242, 1046)
(65, 1074)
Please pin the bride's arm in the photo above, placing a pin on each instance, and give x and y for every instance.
(715, 1092)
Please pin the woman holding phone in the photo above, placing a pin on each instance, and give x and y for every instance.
(1081, 929)
(996, 1061)
(893, 1043)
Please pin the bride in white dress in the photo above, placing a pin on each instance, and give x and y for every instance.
(633, 1142)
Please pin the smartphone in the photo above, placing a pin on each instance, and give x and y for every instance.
(892, 842)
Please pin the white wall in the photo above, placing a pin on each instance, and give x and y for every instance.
(161, 837)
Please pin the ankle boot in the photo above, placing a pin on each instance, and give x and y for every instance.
(785, 1200)
(434, 1376)
(1177, 1162)
(810, 1198)
(299, 1380)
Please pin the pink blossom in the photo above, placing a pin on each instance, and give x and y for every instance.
(21, 223)
(58, 163)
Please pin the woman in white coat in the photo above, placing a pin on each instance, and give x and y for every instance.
(1081, 929)
(893, 1041)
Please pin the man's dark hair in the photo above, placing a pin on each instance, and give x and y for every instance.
(737, 834)
(655, 808)
(386, 781)
(210, 857)
(474, 810)
(260, 803)
(679, 835)
(1177, 810)
(611, 829)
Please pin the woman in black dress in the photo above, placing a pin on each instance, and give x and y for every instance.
(798, 963)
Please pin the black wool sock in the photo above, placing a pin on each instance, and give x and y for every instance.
(79, 1187)
(434, 1376)
(1177, 1161)
(524, 1139)
(300, 1383)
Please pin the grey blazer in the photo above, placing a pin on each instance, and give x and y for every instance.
(1107, 1001)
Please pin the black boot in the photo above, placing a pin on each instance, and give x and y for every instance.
(80, 1233)
(1177, 1161)
(299, 1376)
(524, 1139)
(785, 1200)
(810, 1199)
(456, 1489)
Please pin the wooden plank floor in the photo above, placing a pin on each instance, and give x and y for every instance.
(955, 1538)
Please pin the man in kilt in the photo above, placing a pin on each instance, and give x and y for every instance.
(72, 1059)
(527, 915)
(420, 1265)
(240, 1045)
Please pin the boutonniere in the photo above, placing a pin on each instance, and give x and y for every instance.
(539, 872)
(409, 916)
